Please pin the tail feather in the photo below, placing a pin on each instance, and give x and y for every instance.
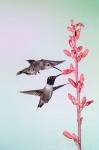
(26, 71)
(20, 72)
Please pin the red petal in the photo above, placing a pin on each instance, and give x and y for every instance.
(67, 53)
(77, 34)
(81, 25)
(79, 48)
(74, 53)
(69, 96)
(89, 102)
(72, 22)
(71, 43)
(85, 53)
(83, 100)
(72, 82)
(82, 78)
(70, 29)
(67, 134)
(71, 67)
(80, 57)
(72, 99)
(67, 71)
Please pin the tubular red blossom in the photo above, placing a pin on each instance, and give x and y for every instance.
(72, 99)
(72, 22)
(78, 59)
(79, 48)
(69, 96)
(89, 102)
(71, 43)
(83, 103)
(72, 82)
(85, 53)
(80, 86)
(72, 67)
(74, 54)
(67, 134)
(77, 34)
(71, 136)
(82, 78)
(67, 53)
(70, 29)
(67, 71)
(83, 100)
(80, 25)
(80, 56)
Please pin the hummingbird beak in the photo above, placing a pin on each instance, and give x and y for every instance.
(57, 69)
(58, 75)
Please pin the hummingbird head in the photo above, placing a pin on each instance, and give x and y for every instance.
(51, 79)
(49, 63)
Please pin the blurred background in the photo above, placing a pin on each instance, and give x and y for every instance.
(36, 29)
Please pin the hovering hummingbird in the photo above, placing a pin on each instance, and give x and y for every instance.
(45, 93)
(37, 65)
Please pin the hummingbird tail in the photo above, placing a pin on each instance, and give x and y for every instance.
(20, 72)
(25, 71)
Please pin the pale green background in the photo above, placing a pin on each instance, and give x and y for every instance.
(35, 30)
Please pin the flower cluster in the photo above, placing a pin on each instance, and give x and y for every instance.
(77, 53)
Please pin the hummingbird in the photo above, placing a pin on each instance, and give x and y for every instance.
(46, 93)
(36, 65)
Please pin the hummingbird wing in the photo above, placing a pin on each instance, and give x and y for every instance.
(33, 92)
(57, 87)
(30, 61)
(54, 63)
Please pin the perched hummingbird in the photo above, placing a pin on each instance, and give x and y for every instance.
(45, 93)
(37, 65)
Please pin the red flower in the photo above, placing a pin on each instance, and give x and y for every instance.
(71, 136)
(72, 82)
(72, 99)
(83, 100)
(85, 53)
(67, 71)
(80, 56)
(70, 29)
(67, 53)
(67, 134)
(74, 54)
(72, 67)
(82, 78)
(89, 102)
(79, 48)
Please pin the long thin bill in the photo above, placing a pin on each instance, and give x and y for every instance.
(57, 69)
(58, 75)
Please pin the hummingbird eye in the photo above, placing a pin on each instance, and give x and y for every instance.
(48, 64)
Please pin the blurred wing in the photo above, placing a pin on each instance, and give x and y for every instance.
(54, 63)
(57, 87)
(30, 61)
(33, 92)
